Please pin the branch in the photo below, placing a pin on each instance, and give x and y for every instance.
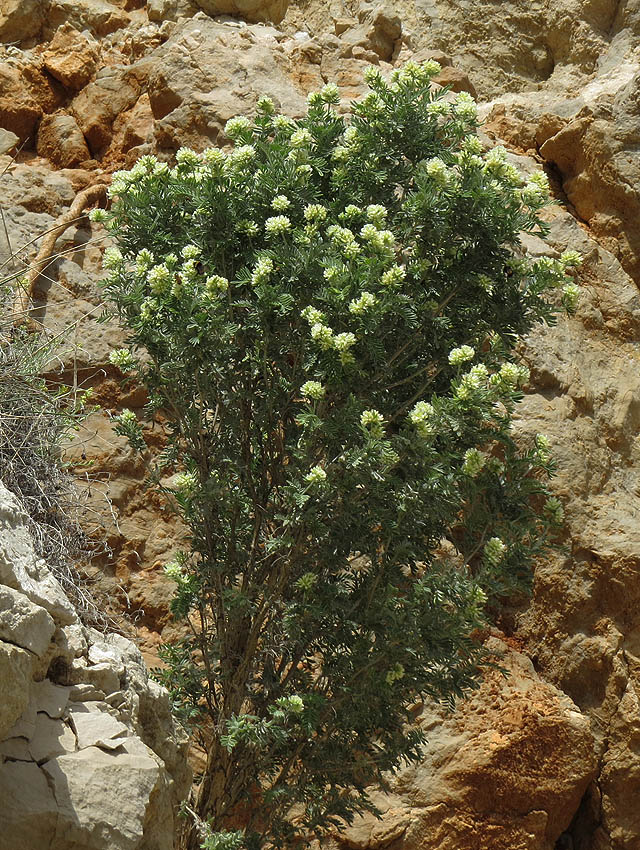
(23, 296)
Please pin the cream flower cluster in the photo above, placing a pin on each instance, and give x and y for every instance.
(277, 225)
(344, 240)
(421, 416)
(313, 390)
(494, 551)
(473, 462)
(393, 276)
(237, 127)
(280, 203)
(458, 356)
(174, 571)
(438, 171)
(262, 271)
(475, 379)
(127, 417)
(185, 483)
(215, 285)
(362, 304)
(121, 357)
(315, 212)
(316, 475)
(381, 241)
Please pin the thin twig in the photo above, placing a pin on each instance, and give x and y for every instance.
(23, 295)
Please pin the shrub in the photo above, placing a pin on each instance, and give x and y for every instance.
(328, 315)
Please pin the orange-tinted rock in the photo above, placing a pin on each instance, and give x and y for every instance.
(20, 20)
(98, 104)
(456, 79)
(134, 127)
(71, 57)
(97, 16)
(19, 111)
(60, 140)
(250, 10)
(507, 769)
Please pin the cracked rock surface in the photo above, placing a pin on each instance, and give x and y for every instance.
(89, 756)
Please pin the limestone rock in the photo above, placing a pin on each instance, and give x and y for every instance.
(19, 110)
(26, 92)
(22, 570)
(506, 769)
(102, 798)
(20, 19)
(134, 127)
(113, 767)
(250, 10)
(455, 78)
(71, 57)
(207, 73)
(97, 16)
(23, 623)
(60, 140)
(97, 105)
(51, 738)
(29, 809)
(8, 141)
(95, 729)
(49, 698)
(16, 666)
(379, 31)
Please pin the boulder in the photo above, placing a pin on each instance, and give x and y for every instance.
(29, 809)
(21, 622)
(22, 570)
(71, 57)
(102, 798)
(112, 92)
(379, 31)
(50, 739)
(250, 10)
(97, 16)
(16, 666)
(81, 767)
(456, 79)
(506, 769)
(20, 20)
(8, 141)
(19, 110)
(207, 73)
(60, 140)
(134, 126)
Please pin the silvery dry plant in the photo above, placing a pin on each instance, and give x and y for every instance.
(327, 315)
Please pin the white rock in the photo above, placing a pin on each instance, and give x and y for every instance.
(95, 729)
(21, 569)
(16, 749)
(15, 676)
(23, 623)
(102, 798)
(85, 693)
(29, 809)
(49, 698)
(51, 738)
(101, 676)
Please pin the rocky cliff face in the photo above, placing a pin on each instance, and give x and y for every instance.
(89, 755)
(547, 758)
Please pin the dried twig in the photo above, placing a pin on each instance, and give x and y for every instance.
(23, 296)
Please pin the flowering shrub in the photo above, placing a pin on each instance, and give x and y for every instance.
(328, 314)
